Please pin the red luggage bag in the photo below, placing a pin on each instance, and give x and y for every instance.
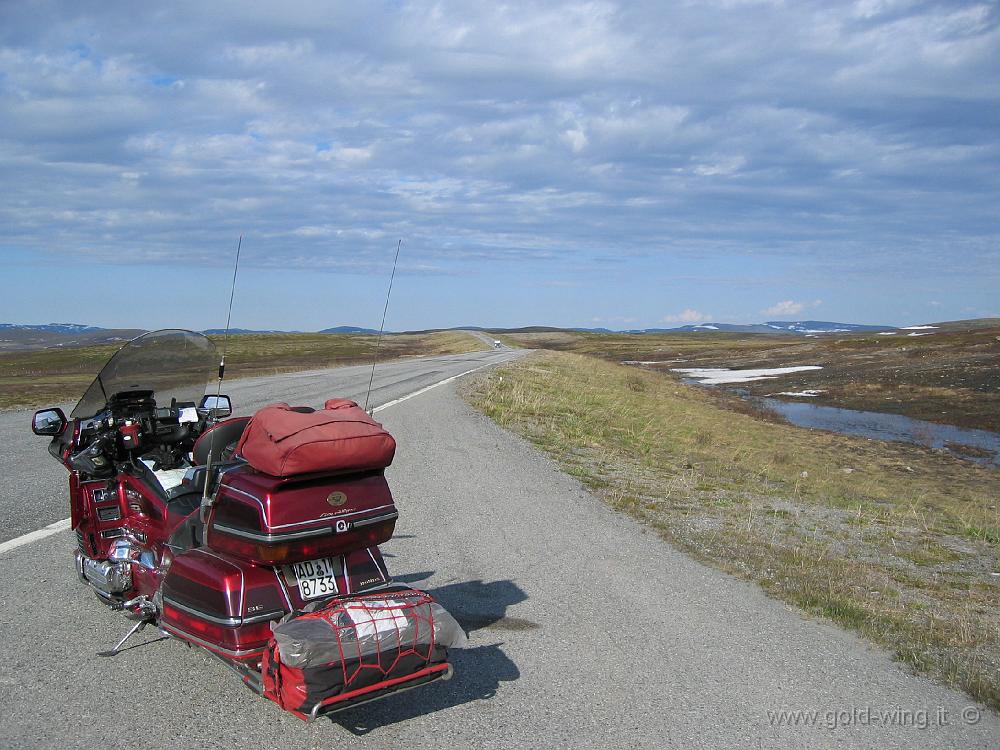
(356, 649)
(283, 440)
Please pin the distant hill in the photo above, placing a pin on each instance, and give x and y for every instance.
(968, 325)
(16, 337)
(51, 327)
(823, 326)
(350, 329)
(221, 331)
(25, 337)
(799, 327)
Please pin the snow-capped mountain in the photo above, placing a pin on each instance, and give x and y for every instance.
(797, 327)
(52, 327)
(17, 337)
(822, 326)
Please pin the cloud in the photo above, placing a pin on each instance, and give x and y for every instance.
(835, 140)
(687, 316)
(788, 307)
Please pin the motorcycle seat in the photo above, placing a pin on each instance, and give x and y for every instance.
(219, 440)
(183, 503)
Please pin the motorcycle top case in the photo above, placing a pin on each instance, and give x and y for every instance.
(274, 520)
(358, 647)
(284, 440)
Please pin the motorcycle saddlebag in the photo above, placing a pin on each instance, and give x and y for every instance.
(358, 648)
(222, 603)
(227, 605)
(284, 440)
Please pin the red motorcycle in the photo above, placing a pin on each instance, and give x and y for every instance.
(255, 538)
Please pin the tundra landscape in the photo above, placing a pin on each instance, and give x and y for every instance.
(556, 374)
(896, 541)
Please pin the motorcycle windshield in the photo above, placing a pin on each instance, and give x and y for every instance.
(172, 363)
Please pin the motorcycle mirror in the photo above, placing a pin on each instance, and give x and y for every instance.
(217, 406)
(48, 422)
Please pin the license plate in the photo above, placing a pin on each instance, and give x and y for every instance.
(316, 578)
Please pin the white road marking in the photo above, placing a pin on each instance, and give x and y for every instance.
(430, 387)
(63, 525)
(34, 536)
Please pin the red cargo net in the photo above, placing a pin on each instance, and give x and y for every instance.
(385, 622)
(352, 648)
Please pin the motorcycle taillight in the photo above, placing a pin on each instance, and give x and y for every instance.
(240, 640)
(300, 550)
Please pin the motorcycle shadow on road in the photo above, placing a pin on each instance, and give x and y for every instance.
(479, 669)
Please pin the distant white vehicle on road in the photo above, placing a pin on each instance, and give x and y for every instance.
(496, 343)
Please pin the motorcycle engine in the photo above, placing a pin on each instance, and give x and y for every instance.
(114, 575)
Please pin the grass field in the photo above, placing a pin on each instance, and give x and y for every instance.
(897, 542)
(49, 376)
(951, 376)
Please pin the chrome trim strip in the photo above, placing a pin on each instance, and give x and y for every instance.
(305, 534)
(263, 617)
(375, 519)
(184, 635)
(271, 537)
(229, 622)
(109, 513)
(336, 518)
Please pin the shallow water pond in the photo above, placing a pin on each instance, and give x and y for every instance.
(872, 424)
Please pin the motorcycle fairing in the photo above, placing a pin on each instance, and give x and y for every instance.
(174, 364)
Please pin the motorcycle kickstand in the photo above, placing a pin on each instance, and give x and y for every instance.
(137, 628)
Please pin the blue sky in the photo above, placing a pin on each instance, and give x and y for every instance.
(581, 164)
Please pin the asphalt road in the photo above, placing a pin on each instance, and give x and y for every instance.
(34, 493)
(586, 631)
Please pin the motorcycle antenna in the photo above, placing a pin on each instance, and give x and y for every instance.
(381, 328)
(205, 502)
(229, 317)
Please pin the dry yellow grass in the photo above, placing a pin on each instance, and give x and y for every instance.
(897, 542)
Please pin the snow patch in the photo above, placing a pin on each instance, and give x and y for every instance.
(917, 328)
(807, 393)
(919, 334)
(719, 375)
